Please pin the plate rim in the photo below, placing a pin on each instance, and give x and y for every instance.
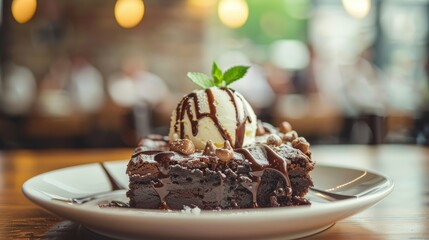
(95, 218)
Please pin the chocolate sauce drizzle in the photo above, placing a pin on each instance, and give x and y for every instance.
(184, 109)
(275, 162)
(161, 187)
(271, 160)
(240, 131)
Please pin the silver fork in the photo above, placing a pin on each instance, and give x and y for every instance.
(115, 187)
(80, 200)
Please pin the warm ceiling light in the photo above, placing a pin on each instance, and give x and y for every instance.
(201, 3)
(23, 10)
(357, 8)
(129, 13)
(233, 13)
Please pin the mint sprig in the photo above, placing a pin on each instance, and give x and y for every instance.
(201, 79)
(216, 73)
(219, 78)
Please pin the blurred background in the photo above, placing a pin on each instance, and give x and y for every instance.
(102, 73)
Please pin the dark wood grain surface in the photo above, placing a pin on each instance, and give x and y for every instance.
(404, 214)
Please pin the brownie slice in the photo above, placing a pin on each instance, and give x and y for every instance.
(261, 175)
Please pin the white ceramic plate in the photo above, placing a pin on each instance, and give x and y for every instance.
(285, 223)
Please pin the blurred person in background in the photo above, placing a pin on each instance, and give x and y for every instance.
(145, 93)
(298, 99)
(53, 99)
(71, 86)
(365, 99)
(17, 94)
(71, 95)
(18, 90)
(345, 74)
(356, 87)
(86, 86)
(421, 128)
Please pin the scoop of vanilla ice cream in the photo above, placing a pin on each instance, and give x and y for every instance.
(215, 114)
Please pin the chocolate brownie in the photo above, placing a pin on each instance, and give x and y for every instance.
(272, 172)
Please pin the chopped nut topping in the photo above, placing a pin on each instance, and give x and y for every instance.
(227, 145)
(260, 130)
(274, 139)
(290, 136)
(301, 144)
(210, 149)
(285, 127)
(184, 146)
(226, 153)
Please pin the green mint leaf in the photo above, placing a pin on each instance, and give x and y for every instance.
(201, 79)
(217, 74)
(233, 74)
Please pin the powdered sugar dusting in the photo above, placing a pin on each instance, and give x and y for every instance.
(189, 210)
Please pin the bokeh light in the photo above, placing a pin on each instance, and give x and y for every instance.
(357, 8)
(233, 13)
(289, 54)
(129, 13)
(23, 10)
(202, 4)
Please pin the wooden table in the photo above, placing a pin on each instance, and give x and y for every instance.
(404, 214)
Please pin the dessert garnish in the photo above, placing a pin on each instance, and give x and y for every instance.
(219, 79)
